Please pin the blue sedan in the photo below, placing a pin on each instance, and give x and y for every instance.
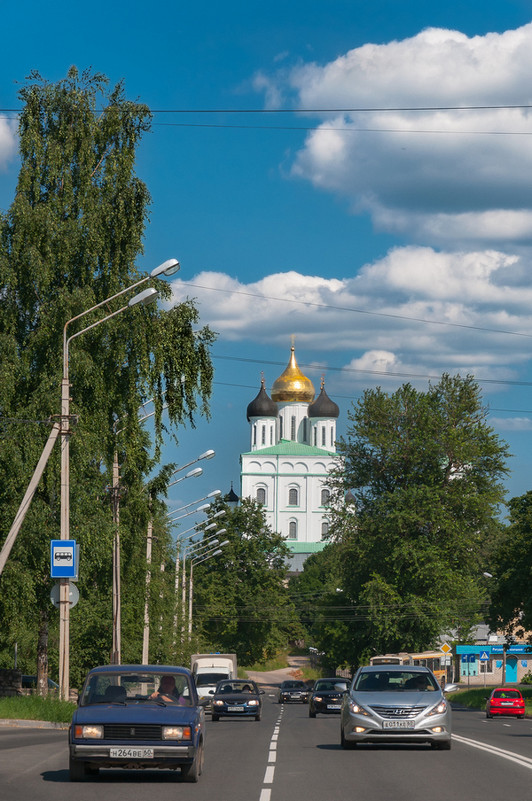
(236, 699)
(137, 716)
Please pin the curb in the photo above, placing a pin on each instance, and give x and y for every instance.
(32, 724)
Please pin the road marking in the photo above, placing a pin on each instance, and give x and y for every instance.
(265, 794)
(272, 756)
(268, 776)
(525, 762)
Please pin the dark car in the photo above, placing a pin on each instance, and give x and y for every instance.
(396, 704)
(30, 683)
(293, 690)
(327, 696)
(505, 701)
(236, 699)
(137, 716)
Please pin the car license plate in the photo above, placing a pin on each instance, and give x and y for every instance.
(507, 703)
(334, 706)
(397, 724)
(131, 753)
(235, 708)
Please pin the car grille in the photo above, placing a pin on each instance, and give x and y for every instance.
(132, 731)
(398, 712)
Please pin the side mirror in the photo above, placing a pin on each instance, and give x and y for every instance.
(211, 692)
(204, 701)
(450, 688)
(341, 688)
(261, 692)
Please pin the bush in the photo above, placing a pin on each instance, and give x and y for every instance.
(527, 678)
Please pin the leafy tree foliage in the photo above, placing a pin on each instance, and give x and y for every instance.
(241, 600)
(68, 242)
(511, 603)
(424, 470)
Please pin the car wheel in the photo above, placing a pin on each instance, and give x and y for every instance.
(192, 772)
(215, 718)
(349, 746)
(488, 715)
(311, 714)
(77, 770)
(258, 717)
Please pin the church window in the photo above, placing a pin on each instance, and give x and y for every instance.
(261, 495)
(292, 427)
(254, 435)
(293, 497)
(325, 495)
(332, 438)
(292, 530)
(263, 435)
(280, 428)
(324, 529)
(323, 433)
(315, 436)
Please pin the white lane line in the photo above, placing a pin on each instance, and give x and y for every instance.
(525, 762)
(272, 756)
(268, 776)
(265, 794)
(273, 746)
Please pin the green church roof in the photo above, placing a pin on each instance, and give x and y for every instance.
(288, 447)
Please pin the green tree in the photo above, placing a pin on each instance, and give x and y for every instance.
(425, 470)
(241, 599)
(511, 602)
(68, 242)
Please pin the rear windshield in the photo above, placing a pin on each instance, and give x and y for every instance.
(126, 687)
(390, 681)
(506, 694)
(237, 687)
(209, 678)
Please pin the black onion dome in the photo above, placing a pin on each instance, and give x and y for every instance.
(323, 406)
(262, 405)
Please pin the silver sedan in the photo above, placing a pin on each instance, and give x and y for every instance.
(396, 703)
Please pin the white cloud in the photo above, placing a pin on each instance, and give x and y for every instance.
(8, 141)
(460, 176)
(416, 311)
(511, 423)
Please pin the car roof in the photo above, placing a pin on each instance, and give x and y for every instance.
(141, 669)
(394, 668)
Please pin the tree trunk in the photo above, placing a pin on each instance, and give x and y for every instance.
(42, 654)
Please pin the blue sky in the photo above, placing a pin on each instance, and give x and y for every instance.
(393, 245)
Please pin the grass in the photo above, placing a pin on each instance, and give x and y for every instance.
(34, 707)
(475, 698)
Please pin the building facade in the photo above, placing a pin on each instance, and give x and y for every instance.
(292, 451)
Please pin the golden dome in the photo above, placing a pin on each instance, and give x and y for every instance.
(292, 385)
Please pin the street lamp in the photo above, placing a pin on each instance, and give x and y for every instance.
(146, 296)
(213, 494)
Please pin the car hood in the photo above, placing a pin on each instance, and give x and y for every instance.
(135, 713)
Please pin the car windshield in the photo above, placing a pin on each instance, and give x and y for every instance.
(292, 685)
(325, 686)
(506, 694)
(116, 687)
(390, 681)
(226, 687)
(204, 679)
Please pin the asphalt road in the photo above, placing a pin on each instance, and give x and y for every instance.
(289, 757)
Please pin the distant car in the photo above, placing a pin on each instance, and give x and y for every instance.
(327, 696)
(137, 716)
(30, 683)
(396, 703)
(505, 701)
(236, 699)
(293, 690)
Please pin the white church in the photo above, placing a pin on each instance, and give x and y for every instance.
(292, 451)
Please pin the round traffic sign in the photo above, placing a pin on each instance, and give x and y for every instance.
(73, 595)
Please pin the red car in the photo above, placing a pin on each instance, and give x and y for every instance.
(505, 701)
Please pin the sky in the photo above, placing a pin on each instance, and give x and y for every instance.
(355, 176)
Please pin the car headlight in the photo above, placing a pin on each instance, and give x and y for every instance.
(176, 733)
(218, 703)
(91, 732)
(439, 709)
(318, 698)
(254, 702)
(356, 709)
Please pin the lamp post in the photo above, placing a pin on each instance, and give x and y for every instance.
(146, 296)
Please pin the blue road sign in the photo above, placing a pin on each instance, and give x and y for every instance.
(484, 656)
(63, 562)
(468, 657)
